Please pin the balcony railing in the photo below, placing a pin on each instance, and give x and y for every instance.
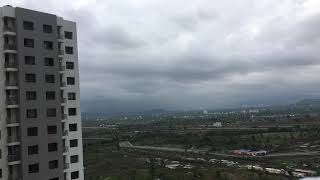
(12, 100)
(10, 47)
(11, 83)
(63, 116)
(11, 139)
(65, 165)
(65, 133)
(8, 29)
(63, 100)
(61, 52)
(11, 65)
(63, 84)
(62, 68)
(13, 157)
(65, 149)
(60, 36)
(14, 177)
(12, 120)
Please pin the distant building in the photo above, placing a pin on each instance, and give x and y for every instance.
(253, 110)
(216, 124)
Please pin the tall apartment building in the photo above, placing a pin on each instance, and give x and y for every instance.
(40, 121)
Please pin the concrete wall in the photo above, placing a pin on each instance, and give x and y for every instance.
(41, 104)
(3, 123)
(71, 27)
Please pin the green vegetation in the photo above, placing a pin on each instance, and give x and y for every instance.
(103, 161)
(289, 133)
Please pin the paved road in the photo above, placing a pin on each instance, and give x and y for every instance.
(126, 145)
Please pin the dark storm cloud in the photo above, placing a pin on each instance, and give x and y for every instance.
(141, 54)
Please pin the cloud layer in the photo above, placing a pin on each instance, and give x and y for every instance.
(144, 54)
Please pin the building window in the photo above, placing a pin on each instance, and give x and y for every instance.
(71, 96)
(48, 45)
(52, 129)
(70, 80)
(52, 147)
(50, 95)
(30, 78)
(75, 175)
(50, 78)
(33, 150)
(27, 25)
(74, 143)
(51, 112)
(33, 168)
(28, 43)
(29, 60)
(53, 164)
(68, 35)
(72, 111)
(31, 113)
(74, 159)
(70, 65)
(0, 173)
(47, 28)
(54, 178)
(48, 61)
(73, 127)
(33, 131)
(69, 50)
(31, 95)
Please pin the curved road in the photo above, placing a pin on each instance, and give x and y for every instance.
(129, 145)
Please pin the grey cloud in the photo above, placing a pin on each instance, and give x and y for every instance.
(307, 31)
(117, 37)
(138, 55)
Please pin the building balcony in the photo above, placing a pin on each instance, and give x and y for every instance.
(66, 165)
(14, 178)
(11, 47)
(11, 66)
(63, 100)
(63, 84)
(12, 101)
(13, 157)
(65, 133)
(63, 116)
(14, 171)
(12, 122)
(8, 30)
(61, 52)
(60, 37)
(65, 149)
(62, 69)
(11, 85)
(13, 139)
(11, 177)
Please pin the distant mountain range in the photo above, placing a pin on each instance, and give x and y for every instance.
(308, 102)
(302, 104)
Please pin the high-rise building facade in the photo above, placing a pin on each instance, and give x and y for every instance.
(40, 120)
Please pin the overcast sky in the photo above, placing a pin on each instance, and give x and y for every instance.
(176, 54)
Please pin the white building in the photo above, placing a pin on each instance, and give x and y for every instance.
(40, 119)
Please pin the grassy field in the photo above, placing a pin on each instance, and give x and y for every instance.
(103, 161)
